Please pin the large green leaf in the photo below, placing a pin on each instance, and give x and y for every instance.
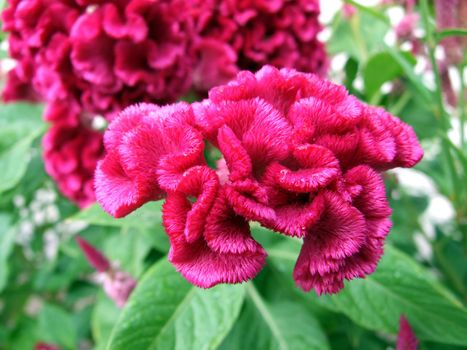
(105, 315)
(166, 312)
(399, 286)
(381, 68)
(20, 124)
(359, 37)
(275, 326)
(56, 326)
(128, 249)
(147, 219)
(7, 236)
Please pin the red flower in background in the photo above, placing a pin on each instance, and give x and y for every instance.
(300, 156)
(247, 34)
(93, 58)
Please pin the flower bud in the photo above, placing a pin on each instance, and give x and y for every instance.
(95, 258)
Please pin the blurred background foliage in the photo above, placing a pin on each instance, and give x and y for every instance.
(48, 292)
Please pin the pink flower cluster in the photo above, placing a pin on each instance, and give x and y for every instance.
(90, 58)
(299, 156)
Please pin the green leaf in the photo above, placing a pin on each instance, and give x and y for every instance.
(399, 286)
(413, 78)
(275, 326)
(381, 68)
(166, 312)
(128, 249)
(104, 317)
(359, 37)
(20, 125)
(7, 237)
(147, 219)
(57, 327)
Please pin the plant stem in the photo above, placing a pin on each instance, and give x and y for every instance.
(431, 45)
(441, 111)
(462, 106)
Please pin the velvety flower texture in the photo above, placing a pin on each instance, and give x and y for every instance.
(247, 34)
(300, 157)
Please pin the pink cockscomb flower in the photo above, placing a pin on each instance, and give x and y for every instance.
(300, 156)
(237, 35)
(148, 150)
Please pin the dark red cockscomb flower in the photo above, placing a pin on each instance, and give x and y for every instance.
(93, 58)
(300, 156)
(102, 50)
(245, 35)
(71, 156)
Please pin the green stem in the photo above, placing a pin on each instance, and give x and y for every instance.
(397, 107)
(354, 26)
(446, 267)
(441, 111)
(462, 106)
(431, 44)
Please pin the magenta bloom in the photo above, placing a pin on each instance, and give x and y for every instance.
(237, 35)
(148, 150)
(300, 156)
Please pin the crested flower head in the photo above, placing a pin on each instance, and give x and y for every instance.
(93, 57)
(236, 35)
(82, 49)
(300, 156)
(71, 155)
